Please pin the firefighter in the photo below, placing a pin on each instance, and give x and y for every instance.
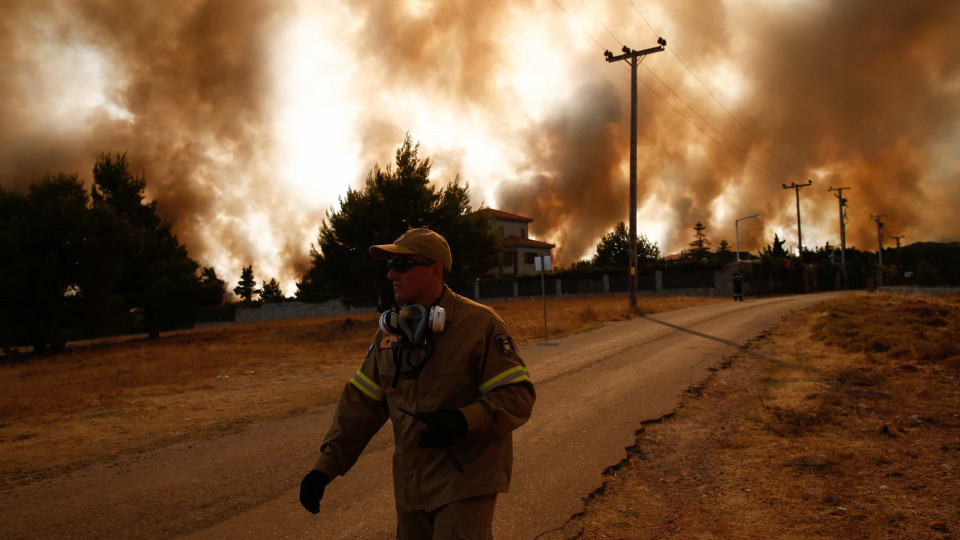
(448, 375)
(737, 286)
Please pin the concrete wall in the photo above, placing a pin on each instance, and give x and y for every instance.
(598, 284)
(289, 310)
(503, 289)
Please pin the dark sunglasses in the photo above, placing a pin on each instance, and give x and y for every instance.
(403, 265)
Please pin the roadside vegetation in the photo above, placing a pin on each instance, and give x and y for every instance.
(96, 401)
(843, 422)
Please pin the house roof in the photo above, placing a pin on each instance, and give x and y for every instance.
(500, 214)
(516, 241)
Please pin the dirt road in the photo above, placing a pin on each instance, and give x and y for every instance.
(593, 390)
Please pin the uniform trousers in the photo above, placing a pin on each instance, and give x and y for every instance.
(469, 519)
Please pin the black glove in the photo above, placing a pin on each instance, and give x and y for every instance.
(444, 428)
(311, 490)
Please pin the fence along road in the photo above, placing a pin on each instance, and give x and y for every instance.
(593, 391)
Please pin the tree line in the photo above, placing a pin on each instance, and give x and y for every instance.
(81, 263)
(84, 263)
(924, 263)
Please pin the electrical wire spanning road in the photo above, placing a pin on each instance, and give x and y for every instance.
(593, 392)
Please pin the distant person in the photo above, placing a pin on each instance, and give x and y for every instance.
(737, 286)
(449, 376)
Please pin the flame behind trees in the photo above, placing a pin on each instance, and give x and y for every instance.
(392, 201)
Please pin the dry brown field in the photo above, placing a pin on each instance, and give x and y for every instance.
(96, 401)
(843, 422)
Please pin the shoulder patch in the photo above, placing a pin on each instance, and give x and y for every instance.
(505, 344)
(387, 341)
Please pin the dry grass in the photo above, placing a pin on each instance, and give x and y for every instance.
(86, 377)
(843, 423)
(901, 327)
(91, 403)
(97, 401)
(567, 316)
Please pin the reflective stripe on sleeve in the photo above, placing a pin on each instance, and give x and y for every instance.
(368, 387)
(510, 376)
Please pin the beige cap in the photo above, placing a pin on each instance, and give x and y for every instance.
(423, 242)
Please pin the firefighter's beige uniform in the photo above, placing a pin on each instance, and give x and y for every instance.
(475, 367)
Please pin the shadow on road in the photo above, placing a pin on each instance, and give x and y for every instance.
(692, 332)
(740, 346)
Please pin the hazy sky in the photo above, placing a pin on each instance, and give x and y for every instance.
(250, 118)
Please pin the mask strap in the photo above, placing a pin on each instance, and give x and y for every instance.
(397, 350)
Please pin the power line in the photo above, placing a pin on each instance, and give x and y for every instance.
(705, 121)
(745, 153)
(712, 95)
(730, 114)
(622, 44)
(644, 19)
(570, 16)
(743, 158)
(581, 29)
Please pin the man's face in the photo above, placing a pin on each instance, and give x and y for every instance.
(413, 285)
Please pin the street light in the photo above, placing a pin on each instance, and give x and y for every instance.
(737, 226)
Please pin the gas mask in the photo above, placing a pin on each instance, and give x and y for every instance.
(412, 324)
(413, 321)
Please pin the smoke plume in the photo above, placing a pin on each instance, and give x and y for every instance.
(186, 84)
(860, 93)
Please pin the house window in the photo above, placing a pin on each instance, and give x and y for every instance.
(500, 231)
(507, 258)
(523, 233)
(529, 257)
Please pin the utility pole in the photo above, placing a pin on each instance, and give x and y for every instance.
(796, 188)
(843, 234)
(633, 58)
(897, 238)
(879, 247)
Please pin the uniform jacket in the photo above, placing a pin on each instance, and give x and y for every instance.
(476, 367)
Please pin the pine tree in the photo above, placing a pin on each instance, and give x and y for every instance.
(723, 251)
(271, 291)
(246, 286)
(157, 276)
(700, 243)
(392, 201)
(776, 250)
